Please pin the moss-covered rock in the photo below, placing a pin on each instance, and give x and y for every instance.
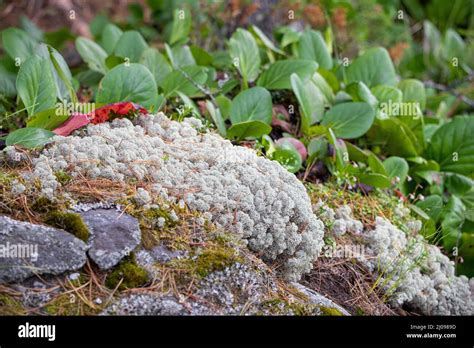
(70, 222)
(128, 274)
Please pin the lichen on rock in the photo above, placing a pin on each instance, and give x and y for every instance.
(247, 194)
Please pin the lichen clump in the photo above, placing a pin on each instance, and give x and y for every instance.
(249, 195)
(415, 274)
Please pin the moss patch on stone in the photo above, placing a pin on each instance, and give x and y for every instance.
(70, 222)
(128, 274)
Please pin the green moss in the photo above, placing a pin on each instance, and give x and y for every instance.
(214, 260)
(11, 306)
(278, 306)
(68, 305)
(127, 271)
(63, 177)
(44, 205)
(70, 222)
(330, 311)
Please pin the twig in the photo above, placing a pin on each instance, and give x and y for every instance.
(443, 88)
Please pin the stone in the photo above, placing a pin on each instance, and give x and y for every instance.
(113, 235)
(318, 299)
(27, 249)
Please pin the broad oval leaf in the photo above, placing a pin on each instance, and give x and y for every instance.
(156, 63)
(181, 26)
(288, 156)
(130, 45)
(92, 54)
(452, 146)
(252, 104)
(373, 68)
(110, 36)
(277, 76)
(413, 91)
(184, 80)
(35, 85)
(312, 46)
(310, 99)
(349, 120)
(431, 205)
(266, 40)
(62, 74)
(133, 83)
(396, 167)
(251, 129)
(18, 44)
(29, 137)
(244, 54)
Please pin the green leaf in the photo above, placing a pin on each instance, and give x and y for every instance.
(29, 137)
(92, 54)
(396, 167)
(387, 94)
(452, 146)
(288, 156)
(60, 69)
(466, 251)
(252, 104)
(373, 68)
(451, 222)
(181, 26)
(201, 56)
(18, 44)
(110, 36)
(180, 56)
(224, 104)
(376, 165)
(310, 100)
(98, 24)
(375, 180)
(361, 93)
(133, 83)
(7, 82)
(130, 45)
(251, 129)
(394, 136)
(349, 120)
(458, 184)
(31, 29)
(245, 55)
(156, 63)
(216, 118)
(35, 85)
(356, 153)
(312, 46)
(324, 87)
(265, 40)
(317, 149)
(431, 205)
(413, 92)
(47, 119)
(277, 76)
(180, 80)
(468, 201)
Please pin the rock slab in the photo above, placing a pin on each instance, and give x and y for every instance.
(27, 249)
(113, 235)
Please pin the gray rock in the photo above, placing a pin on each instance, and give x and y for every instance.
(162, 254)
(145, 304)
(113, 235)
(318, 299)
(27, 249)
